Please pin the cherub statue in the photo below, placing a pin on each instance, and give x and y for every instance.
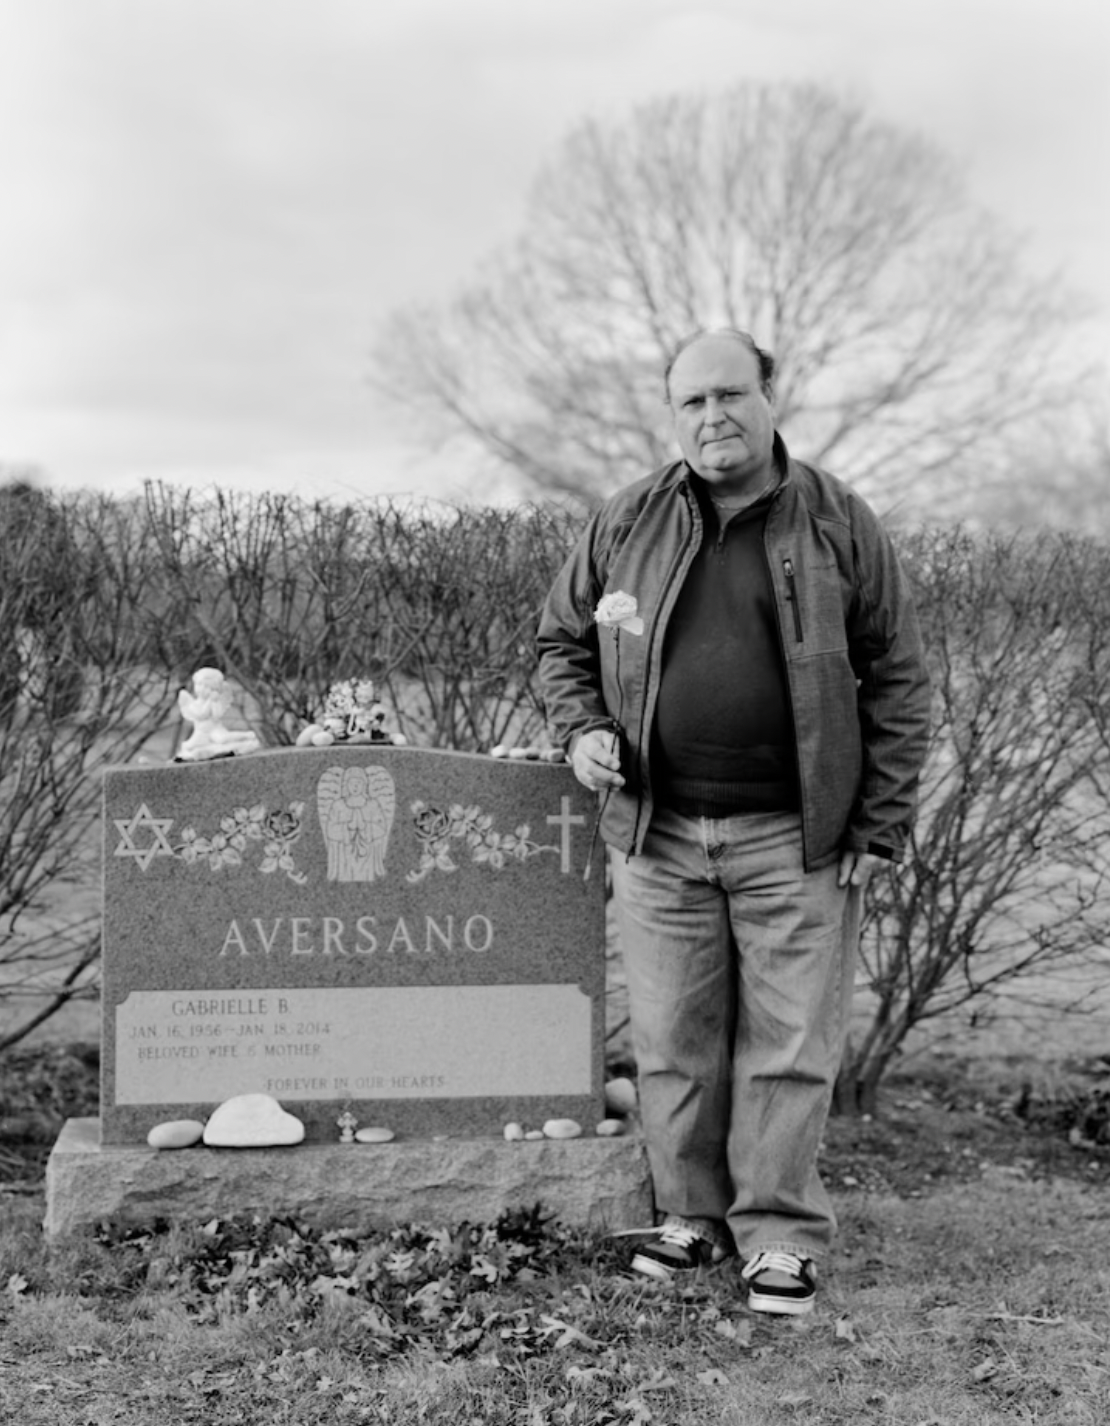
(206, 707)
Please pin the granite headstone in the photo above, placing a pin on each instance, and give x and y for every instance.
(399, 933)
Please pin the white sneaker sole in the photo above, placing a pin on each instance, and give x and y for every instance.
(651, 1268)
(783, 1306)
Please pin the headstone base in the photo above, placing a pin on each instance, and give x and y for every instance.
(587, 1182)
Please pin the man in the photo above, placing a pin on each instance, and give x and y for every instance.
(753, 714)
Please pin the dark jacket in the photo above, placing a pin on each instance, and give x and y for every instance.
(859, 691)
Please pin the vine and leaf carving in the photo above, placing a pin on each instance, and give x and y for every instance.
(445, 833)
(278, 831)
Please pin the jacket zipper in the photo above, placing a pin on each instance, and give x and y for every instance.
(792, 598)
(653, 637)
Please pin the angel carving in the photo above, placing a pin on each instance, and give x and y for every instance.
(356, 807)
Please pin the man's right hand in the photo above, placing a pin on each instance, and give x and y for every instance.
(596, 760)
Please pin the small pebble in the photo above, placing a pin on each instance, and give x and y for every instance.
(306, 735)
(518, 753)
(322, 739)
(562, 1129)
(373, 1135)
(620, 1096)
(534, 1134)
(513, 1132)
(175, 1134)
(553, 755)
(610, 1128)
(499, 750)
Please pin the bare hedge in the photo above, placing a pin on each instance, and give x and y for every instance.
(111, 605)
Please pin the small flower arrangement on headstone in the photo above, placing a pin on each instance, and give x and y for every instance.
(351, 714)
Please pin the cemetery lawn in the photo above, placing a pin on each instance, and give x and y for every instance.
(970, 1286)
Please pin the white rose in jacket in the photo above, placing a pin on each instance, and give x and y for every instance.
(618, 611)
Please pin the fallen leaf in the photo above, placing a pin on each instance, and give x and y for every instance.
(378, 1321)
(570, 1336)
(738, 1332)
(845, 1331)
(586, 1374)
(985, 1370)
(482, 1267)
(1032, 1318)
(795, 1399)
(713, 1377)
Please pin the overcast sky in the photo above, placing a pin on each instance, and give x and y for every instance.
(207, 207)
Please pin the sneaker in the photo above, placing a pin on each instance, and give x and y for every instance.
(789, 1283)
(678, 1248)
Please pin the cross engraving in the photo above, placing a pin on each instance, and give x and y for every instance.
(565, 821)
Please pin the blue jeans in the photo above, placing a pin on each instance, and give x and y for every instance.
(740, 968)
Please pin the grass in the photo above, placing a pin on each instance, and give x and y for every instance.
(983, 1303)
(970, 1285)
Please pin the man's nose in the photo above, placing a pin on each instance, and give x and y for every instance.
(714, 411)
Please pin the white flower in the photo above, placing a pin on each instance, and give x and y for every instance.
(618, 611)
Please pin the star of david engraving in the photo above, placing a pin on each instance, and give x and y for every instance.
(139, 822)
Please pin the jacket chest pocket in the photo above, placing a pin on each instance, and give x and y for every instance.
(814, 600)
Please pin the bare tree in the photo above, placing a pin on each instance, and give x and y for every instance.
(910, 342)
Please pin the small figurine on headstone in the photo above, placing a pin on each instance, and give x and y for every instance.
(347, 1124)
(351, 714)
(206, 707)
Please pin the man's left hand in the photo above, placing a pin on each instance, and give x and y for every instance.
(856, 867)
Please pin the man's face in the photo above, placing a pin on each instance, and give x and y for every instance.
(724, 423)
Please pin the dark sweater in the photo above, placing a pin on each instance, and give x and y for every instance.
(723, 740)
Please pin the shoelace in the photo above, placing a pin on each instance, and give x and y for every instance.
(680, 1234)
(773, 1262)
